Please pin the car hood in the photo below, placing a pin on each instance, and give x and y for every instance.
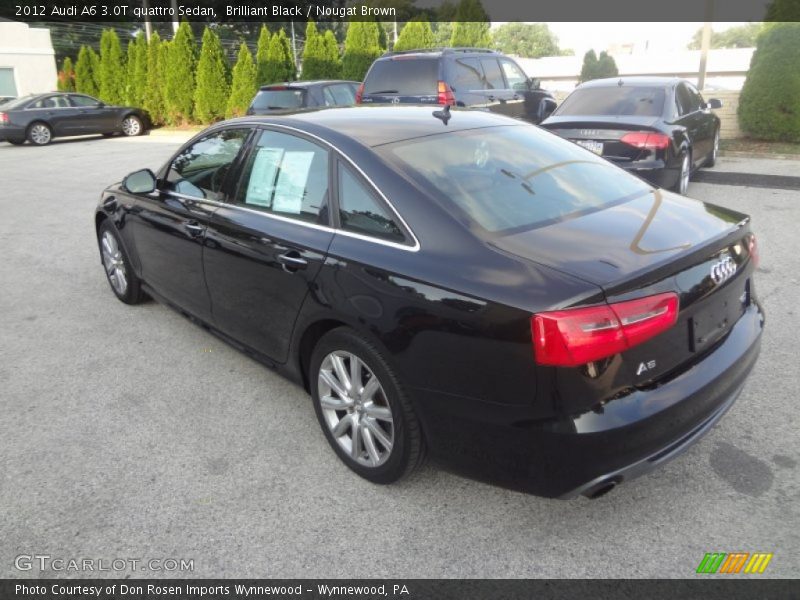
(625, 241)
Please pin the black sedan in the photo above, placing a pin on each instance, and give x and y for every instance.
(40, 118)
(656, 127)
(285, 97)
(458, 282)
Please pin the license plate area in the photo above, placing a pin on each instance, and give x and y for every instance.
(713, 321)
(591, 145)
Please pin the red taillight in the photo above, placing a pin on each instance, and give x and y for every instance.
(568, 338)
(359, 93)
(3, 117)
(445, 95)
(752, 247)
(646, 140)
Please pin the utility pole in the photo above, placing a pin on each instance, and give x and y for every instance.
(705, 44)
(148, 26)
(175, 16)
(294, 47)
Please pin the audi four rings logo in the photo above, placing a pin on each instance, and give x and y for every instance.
(723, 270)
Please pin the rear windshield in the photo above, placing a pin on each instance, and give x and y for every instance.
(512, 177)
(613, 101)
(17, 102)
(275, 99)
(404, 76)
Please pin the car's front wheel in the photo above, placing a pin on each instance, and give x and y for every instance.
(121, 277)
(362, 408)
(132, 125)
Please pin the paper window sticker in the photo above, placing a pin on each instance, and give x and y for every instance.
(262, 176)
(292, 179)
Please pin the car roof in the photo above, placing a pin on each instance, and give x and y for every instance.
(305, 84)
(376, 125)
(437, 52)
(635, 80)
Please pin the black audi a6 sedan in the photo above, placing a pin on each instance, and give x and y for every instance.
(473, 285)
(656, 127)
(40, 118)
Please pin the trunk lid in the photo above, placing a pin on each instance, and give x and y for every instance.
(602, 134)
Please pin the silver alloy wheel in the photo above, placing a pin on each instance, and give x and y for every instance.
(716, 147)
(685, 171)
(131, 126)
(114, 263)
(40, 134)
(356, 408)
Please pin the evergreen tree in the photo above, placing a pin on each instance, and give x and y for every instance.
(589, 68)
(415, 34)
(212, 90)
(360, 49)
(86, 72)
(471, 28)
(289, 66)
(606, 66)
(153, 99)
(179, 78)
(243, 86)
(66, 76)
(262, 51)
(313, 54)
(769, 105)
(112, 68)
(137, 71)
(333, 61)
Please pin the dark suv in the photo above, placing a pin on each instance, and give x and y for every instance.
(469, 77)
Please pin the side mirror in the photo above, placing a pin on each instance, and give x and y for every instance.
(534, 83)
(714, 103)
(140, 182)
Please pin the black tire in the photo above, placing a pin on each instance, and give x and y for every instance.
(39, 133)
(109, 134)
(712, 159)
(408, 449)
(16, 142)
(132, 294)
(686, 155)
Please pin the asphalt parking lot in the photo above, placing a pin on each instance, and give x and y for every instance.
(128, 432)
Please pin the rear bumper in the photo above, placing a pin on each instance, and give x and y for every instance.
(573, 455)
(11, 133)
(658, 172)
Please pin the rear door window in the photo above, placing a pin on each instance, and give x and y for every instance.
(467, 75)
(614, 101)
(340, 94)
(493, 74)
(405, 76)
(83, 101)
(683, 100)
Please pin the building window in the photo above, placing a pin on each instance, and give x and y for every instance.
(8, 86)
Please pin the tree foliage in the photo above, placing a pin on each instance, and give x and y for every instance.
(179, 75)
(784, 11)
(212, 90)
(313, 53)
(333, 61)
(415, 34)
(361, 48)
(153, 98)
(769, 105)
(529, 40)
(136, 81)
(243, 85)
(262, 51)
(87, 72)
(595, 67)
(471, 27)
(66, 76)
(743, 36)
(112, 69)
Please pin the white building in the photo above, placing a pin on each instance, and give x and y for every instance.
(27, 60)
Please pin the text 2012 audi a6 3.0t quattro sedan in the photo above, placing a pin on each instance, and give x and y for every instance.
(461, 283)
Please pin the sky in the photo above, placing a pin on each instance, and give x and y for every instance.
(598, 36)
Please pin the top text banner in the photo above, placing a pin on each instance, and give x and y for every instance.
(400, 10)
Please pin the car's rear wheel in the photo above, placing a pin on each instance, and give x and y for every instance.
(682, 186)
(712, 160)
(362, 408)
(132, 125)
(40, 133)
(121, 277)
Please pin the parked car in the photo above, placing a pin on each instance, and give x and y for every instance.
(464, 283)
(659, 128)
(41, 117)
(295, 95)
(465, 77)
(4, 99)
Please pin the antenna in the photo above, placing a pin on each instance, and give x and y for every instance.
(443, 115)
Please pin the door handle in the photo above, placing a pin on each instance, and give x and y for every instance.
(292, 261)
(194, 229)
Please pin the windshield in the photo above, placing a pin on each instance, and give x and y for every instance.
(408, 76)
(17, 102)
(266, 99)
(614, 101)
(512, 177)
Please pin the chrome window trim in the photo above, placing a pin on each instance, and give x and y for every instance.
(338, 231)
